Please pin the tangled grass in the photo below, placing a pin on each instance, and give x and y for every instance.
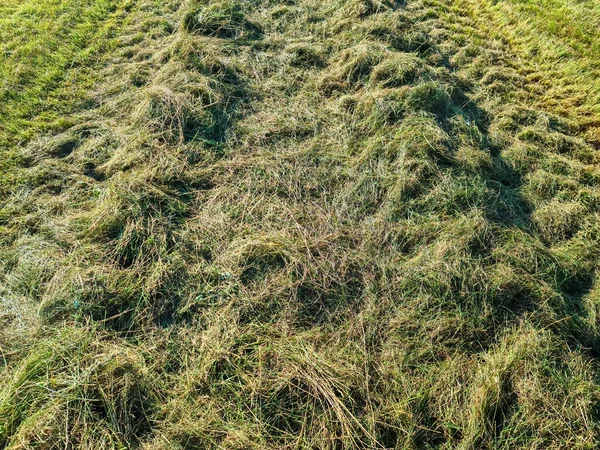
(253, 224)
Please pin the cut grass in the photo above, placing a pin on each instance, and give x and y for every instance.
(335, 225)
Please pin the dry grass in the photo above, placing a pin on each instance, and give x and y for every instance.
(302, 224)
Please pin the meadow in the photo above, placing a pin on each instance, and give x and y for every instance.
(299, 224)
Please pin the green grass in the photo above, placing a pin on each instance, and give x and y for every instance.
(357, 224)
(48, 51)
(557, 49)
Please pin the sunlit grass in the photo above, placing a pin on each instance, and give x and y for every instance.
(357, 224)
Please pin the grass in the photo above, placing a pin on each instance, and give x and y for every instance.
(356, 224)
(47, 59)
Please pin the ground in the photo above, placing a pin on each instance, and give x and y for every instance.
(260, 224)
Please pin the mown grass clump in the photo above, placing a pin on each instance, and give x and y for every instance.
(326, 225)
(398, 71)
(223, 19)
(78, 391)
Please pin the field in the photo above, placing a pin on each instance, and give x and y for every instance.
(299, 224)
